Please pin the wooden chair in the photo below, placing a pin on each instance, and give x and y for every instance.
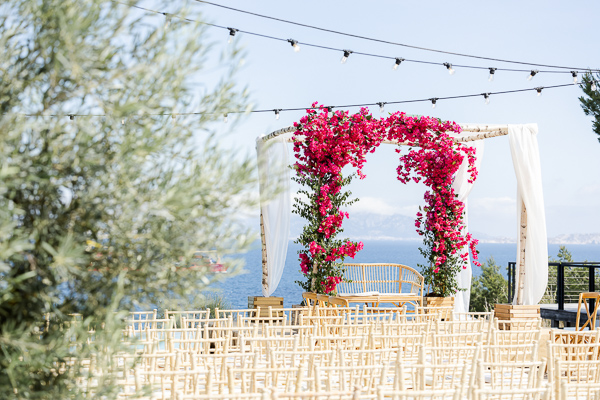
(543, 393)
(569, 337)
(449, 355)
(457, 339)
(579, 391)
(570, 352)
(511, 353)
(365, 377)
(310, 299)
(322, 300)
(429, 394)
(433, 376)
(224, 396)
(513, 375)
(335, 301)
(251, 380)
(322, 395)
(575, 372)
(192, 315)
(472, 326)
(434, 313)
(470, 316)
(591, 317)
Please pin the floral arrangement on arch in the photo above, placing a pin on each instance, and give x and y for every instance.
(324, 144)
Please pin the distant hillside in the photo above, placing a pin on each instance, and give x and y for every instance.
(367, 226)
(582, 238)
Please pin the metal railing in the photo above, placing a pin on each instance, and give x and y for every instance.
(565, 281)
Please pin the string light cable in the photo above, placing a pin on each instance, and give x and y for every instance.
(395, 59)
(277, 111)
(383, 41)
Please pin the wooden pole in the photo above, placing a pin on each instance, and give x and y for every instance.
(265, 272)
(522, 241)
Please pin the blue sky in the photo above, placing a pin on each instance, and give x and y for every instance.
(546, 32)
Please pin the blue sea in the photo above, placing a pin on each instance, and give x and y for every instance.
(237, 288)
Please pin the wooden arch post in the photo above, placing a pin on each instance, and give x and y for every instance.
(522, 242)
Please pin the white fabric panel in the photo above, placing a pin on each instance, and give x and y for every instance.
(276, 207)
(462, 188)
(526, 160)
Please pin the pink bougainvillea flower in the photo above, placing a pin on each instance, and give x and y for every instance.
(325, 144)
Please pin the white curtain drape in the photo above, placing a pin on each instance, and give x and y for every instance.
(275, 205)
(462, 188)
(526, 160)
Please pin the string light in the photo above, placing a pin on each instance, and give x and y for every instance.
(329, 110)
(567, 69)
(539, 90)
(375, 39)
(294, 44)
(277, 113)
(593, 85)
(381, 106)
(345, 56)
(225, 119)
(232, 32)
(397, 63)
(123, 121)
(433, 102)
(532, 74)
(486, 97)
(492, 72)
(451, 70)
(574, 75)
(167, 20)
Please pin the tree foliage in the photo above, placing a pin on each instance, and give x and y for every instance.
(488, 288)
(591, 101)
(103, 213)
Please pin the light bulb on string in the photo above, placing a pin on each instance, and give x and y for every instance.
(492, 73)
(593, 87)
(277, 113)
(381, 107)
(574, 75)
(451, 70)
(72, 117)
(486, 97)
(330, 111)
(232, 32)
(122, 121)
(532, 74)
(167, 20)
(345, 56)
(539, 90)
(397, 63)
(294, 44)
(225, 118)
(433, 102)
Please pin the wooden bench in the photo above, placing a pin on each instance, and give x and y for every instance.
(381, 283)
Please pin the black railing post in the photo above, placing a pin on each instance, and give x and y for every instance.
(560, 286)
(511, 281)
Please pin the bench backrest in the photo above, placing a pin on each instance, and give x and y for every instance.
(383, 278)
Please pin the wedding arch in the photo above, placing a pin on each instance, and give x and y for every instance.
(532, 252)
